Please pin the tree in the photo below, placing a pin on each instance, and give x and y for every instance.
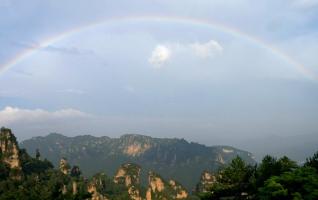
(76, 172)
(4, 171)
(273, 190)
(301, 183)
(235, 180)
(312, 161)
(270, 166)
(37, 154)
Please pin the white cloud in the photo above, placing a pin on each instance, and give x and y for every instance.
(160, 55)
(163, 52)
(10, 115)
(208, 49)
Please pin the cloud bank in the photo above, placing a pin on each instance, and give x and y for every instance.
(10, 115)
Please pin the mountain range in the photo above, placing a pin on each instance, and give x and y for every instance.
(174, 158)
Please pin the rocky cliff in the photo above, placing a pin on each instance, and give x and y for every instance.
(10, 153)
(157, 188)
(9, 149)
(206, 181)
(129, 175)
(160, 189)
(93, 186)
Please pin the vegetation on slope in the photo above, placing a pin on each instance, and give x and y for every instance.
(172, 158)
(272, 179)
(25, 177)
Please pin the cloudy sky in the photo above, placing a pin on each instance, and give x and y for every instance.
(210, 71)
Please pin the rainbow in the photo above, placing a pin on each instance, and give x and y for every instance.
(171, 19)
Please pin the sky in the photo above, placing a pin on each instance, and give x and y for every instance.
(209, 71)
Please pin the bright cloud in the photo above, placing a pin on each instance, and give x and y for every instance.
(11, 115)
(163, 52)
(160, 55)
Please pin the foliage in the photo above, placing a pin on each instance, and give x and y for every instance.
(4, 171)
(32, 165)
(76, 172)
(299, 184)
(270, 166)
(312, 161)
(272, 179)
(234, 180)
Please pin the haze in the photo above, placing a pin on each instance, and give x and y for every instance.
(237, 72)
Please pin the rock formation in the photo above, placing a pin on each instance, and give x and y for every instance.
(129, 175)
(93, 189)
(156, 183)
(10, 153)
(9, 149)
(64, 166)
(181, 192)
(206, 181)
(159, 189)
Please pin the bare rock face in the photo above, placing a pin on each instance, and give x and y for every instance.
(129, 175)
(64, 166)
(64, 189)
(206, 181)
(136, 149)
(10, 153)
(134, 193)
(9, 149)
(220, 159)
(74, 186)
(135, 145)
(181, 193)
(160, 189)
(92, 188)
(156, 183)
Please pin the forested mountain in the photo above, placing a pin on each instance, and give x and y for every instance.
(172, 158)
(25, 177)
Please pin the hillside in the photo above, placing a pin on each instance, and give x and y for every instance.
(172, 158)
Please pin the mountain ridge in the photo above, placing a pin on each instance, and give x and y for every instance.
(174, 158)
